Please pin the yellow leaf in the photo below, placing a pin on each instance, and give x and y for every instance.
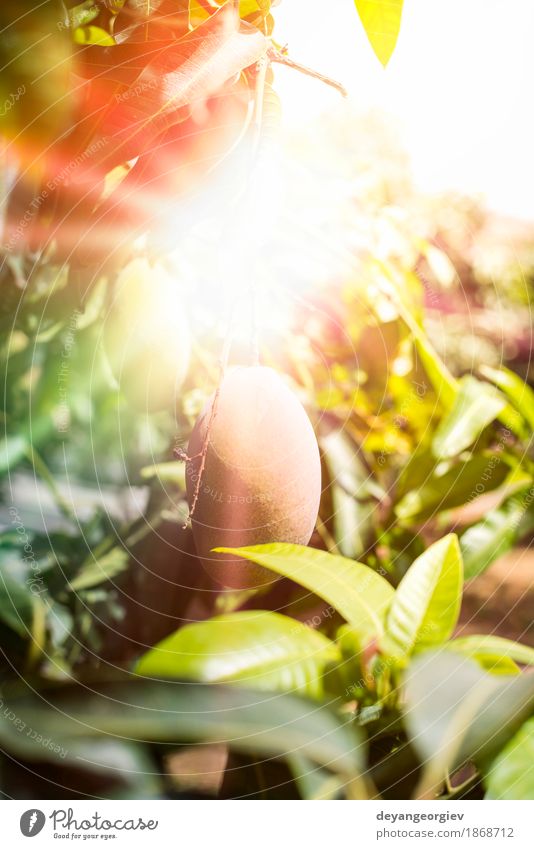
(381, 20)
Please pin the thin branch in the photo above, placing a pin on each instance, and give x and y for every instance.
(283, 59)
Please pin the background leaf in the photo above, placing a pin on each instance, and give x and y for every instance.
(477, 404)
(97, 569)
(16, 604)
(445, 385)
(353, 506)
(511, 775)
(453, 488)
(172, 472)
(487, 540)
(519, 392)
(184, 72)
(488, 644)
(12, 450)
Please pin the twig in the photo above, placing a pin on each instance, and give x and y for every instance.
(38, 633)
(262, 67)
(182, 455)
(204, 451)
(283, 59)
(257, 121)
(326, 537)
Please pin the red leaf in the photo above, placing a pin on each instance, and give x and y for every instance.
(184, 74)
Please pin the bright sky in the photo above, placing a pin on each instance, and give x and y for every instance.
(459, 85)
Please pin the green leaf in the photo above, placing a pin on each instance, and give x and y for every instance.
(489, 539)
(511, 775)
(351, 641)
(16, 605)
(425, 608)
(12, 451)
(16, 447)
(252, 10)
(97, 570)
(257, 648)
(494, 647)
(476, 406)
(419, 467)
(519, 393)
(35, 55)
(125, 770)
(461, 483)
(93, 35)
(455, 712)
(350, 674)
(352, 518)
(444, 383)
(82, 14)
(59, 622)
(312, 781)
(495, 664)
(381, 20)
(173, 472)
(358, 593)
(174, 713)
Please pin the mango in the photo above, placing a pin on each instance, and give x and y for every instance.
(261, 480)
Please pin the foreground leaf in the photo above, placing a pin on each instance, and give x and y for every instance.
(476, 405)
(358, 593)
(312, 781)
(381, 20)
(425, 608)
(511, 775)
(175, 713)
(130, 768)
(455, 712)
(257, 648)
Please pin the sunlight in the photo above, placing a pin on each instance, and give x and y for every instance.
(456, 115)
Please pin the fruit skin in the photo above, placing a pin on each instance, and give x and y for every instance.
(262, 477)
(147, 338)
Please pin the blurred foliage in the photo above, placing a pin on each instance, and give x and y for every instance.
(409, 354)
